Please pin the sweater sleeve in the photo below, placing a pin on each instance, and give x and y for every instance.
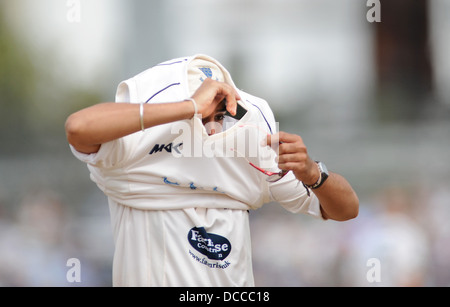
(292, 195)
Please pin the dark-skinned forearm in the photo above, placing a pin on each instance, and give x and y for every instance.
(87, 129)
(337, 198)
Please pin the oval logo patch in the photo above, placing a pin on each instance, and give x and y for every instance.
(211, 245)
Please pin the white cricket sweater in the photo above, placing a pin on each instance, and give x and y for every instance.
(179, 198)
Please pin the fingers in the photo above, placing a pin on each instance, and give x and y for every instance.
(232, 99)
(211, 93)
(289, 143)
(292, 157)
(231, 96)
(292, 152)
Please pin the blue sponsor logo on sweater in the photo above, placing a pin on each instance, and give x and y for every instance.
(211, 245)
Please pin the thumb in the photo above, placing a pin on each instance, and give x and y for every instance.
(231, 102)
(272, 140)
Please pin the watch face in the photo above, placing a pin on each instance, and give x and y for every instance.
(323, 168)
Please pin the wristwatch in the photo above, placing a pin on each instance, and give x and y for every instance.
(322, 178)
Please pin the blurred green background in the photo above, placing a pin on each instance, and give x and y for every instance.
(370, 99)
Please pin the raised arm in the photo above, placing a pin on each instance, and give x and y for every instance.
(337, 198)
(88, 128)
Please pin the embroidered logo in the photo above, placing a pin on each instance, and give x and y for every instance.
(207, 71)
(191, 185)
(167, 148)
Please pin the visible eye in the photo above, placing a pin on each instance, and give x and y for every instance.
(219, 117)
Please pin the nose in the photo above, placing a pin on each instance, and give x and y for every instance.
(213, 127)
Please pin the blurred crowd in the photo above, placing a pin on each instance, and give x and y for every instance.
(38, 238)
(404, 229)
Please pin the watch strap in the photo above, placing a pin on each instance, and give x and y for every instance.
(322, 177)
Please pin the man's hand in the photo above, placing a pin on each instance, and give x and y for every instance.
(211, 93)
(337, 198)
(293, 156)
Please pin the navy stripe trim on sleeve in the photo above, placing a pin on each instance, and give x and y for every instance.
(159, 92)
(171, 63)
